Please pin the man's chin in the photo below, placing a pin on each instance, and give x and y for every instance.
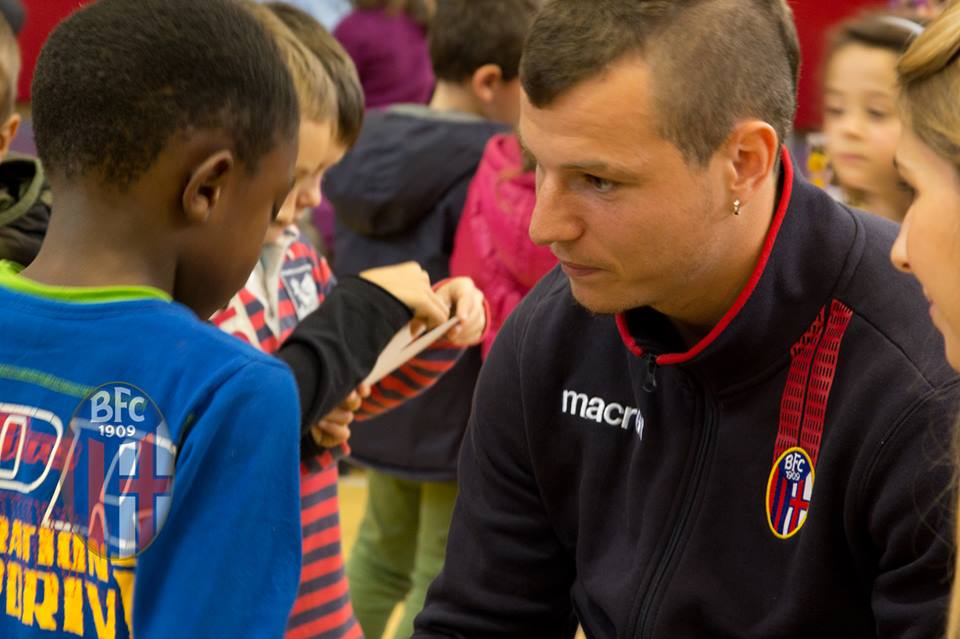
(597, 302)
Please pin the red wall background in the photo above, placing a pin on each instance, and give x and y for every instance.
(42, 17)
(814, 19)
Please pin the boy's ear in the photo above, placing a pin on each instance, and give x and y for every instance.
(205, 186)
(8, 131)
(485, 82)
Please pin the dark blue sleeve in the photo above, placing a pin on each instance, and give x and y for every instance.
(907, 500)
(227, 561)
(506, 574)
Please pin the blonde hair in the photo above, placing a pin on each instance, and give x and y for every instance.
(315, 89)
(930, 87)
(9, 70)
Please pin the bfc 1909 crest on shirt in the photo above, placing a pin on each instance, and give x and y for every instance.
(78, 501)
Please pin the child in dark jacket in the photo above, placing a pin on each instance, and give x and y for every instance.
(398, 195)
(25, 198)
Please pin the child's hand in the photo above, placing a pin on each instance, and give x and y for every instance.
(411, 285)
(334, 428)
(467, 301)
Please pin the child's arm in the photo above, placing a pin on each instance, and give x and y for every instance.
(227, 561)
(417, 375)
(334, 347)
(423, 371)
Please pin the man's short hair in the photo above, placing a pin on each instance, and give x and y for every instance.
(713, 61)
(466, 35)
(119, 78)
(9, 70)
(336, 62)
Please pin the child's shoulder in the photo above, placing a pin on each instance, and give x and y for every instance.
(403, 120)
(215, 351)
(140, 328)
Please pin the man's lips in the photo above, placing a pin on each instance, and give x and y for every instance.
(575, 269)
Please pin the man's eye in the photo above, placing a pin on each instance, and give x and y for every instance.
(599, 184)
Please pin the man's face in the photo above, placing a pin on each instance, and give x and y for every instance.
(630, 221)
(318, 152)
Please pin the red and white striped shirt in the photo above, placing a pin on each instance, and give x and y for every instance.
(288, 283)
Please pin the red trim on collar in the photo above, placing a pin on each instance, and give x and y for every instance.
(625, 335)
(680, 358)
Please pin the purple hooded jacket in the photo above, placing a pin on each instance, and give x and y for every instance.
(391, 54)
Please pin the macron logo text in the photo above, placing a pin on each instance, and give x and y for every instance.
(597, 410)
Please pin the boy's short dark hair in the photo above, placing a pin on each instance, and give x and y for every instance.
(9, 70)
(336, 62)
(713, 61)
(119, 78)
(467, 34)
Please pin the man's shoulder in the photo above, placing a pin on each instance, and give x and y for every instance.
(890, 305)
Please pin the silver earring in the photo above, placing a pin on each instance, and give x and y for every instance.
(736, 206)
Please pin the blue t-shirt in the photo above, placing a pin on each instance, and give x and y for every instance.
(148, 470)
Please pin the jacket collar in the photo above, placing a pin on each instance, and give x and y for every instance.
(806, 253)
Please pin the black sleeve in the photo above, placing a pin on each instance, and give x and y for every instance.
(506, 573)
(907, 497)
(334, 348)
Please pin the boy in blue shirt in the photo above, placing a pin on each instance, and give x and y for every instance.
(144, 456)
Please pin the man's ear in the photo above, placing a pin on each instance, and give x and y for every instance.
(202, 192)
(485, 82)
(752, 150)
(8, 131)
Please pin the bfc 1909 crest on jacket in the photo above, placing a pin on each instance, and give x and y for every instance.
(786, 477)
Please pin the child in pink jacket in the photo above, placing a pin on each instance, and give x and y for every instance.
(493, 244)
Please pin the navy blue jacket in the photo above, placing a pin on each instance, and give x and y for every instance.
(787, 477)
(398, 196)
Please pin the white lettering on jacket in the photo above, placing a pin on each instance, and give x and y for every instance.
(597, 410)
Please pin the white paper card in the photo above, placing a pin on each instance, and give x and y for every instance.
(403, 347)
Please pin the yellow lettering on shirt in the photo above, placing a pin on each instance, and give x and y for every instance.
(70, 553)
(14, 586)
(44, 610)
(4, 533)
(45, 554)
(82, 590)
(73, 605)
(104, 621)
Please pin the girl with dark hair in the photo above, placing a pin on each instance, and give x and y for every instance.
(861, 121)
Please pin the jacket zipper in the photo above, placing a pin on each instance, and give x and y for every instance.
(693, 489)
(650, 379)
